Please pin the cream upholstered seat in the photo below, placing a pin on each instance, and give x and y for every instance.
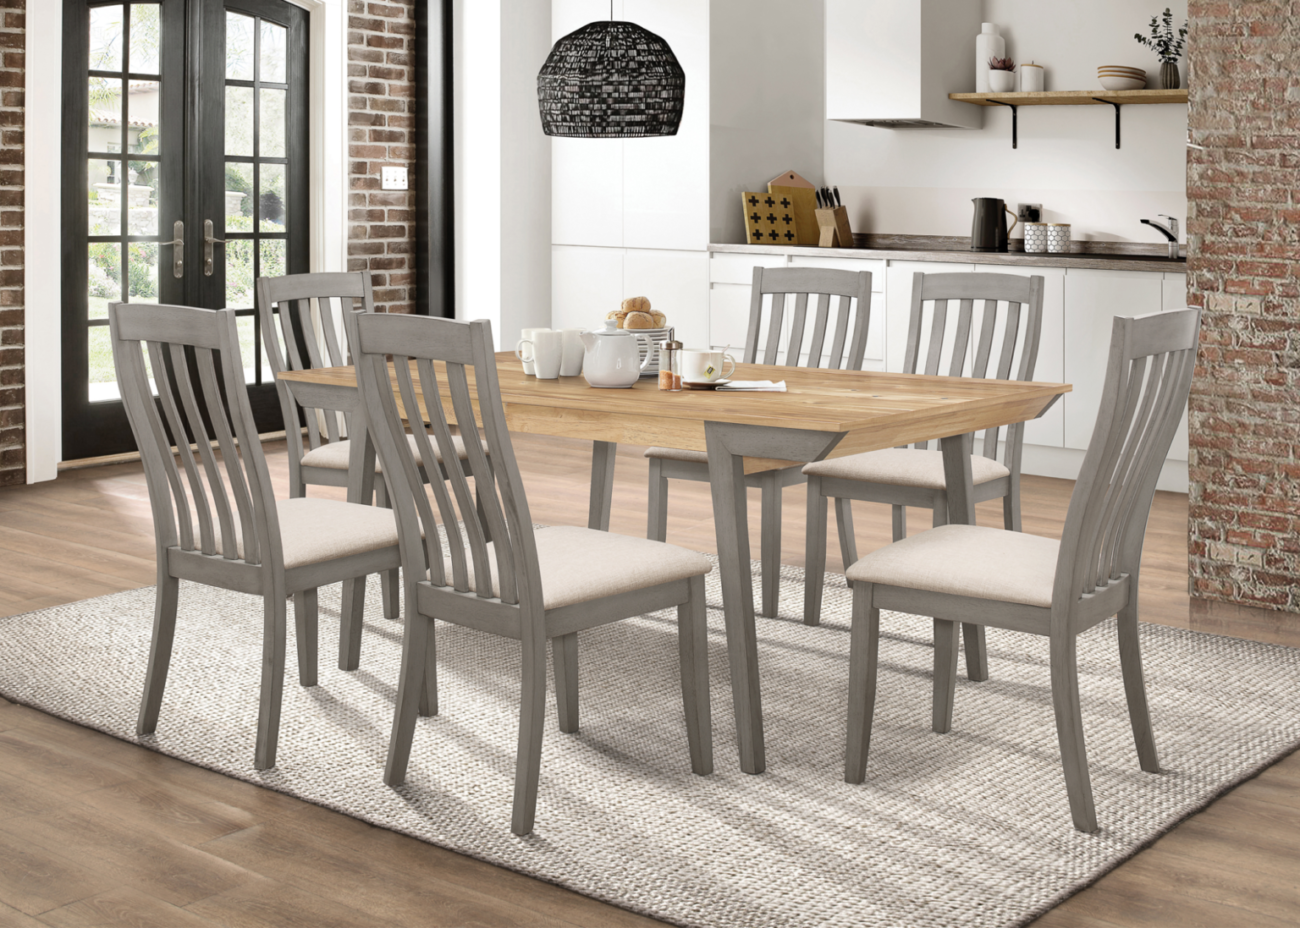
(313, 530)
(903, 467)
(581, 564)
(967, 560)
(677, 454)
(334, 455)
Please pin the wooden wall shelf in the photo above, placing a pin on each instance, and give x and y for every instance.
(1115, 98)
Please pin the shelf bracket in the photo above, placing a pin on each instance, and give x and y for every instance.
(1015, 141)
(1116, 105)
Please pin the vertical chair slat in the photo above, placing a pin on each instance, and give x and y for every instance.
(132, 371)
(861, 326)
(328, 324)
(450, 518)
(796, 331)
(938, 326)
(984, 349)
(755, 317)
(1009, 335)
(822, 313)
(458, 388)
(485, 487)
(840, 336)
(911, 353)
(774, 329)
(185, 386)
(240, 489)
(962, 341)
(177, 427)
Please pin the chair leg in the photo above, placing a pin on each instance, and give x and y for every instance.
(1069, 731)
(532, 718)
(388, 582)
(410, 692)
(977, 659)
(814, 576)
(160, 652)
(429, 691)
(1130, 659)
(351, 622)
(1011, 509)
(945, 674)
(693, 656)
(848, 538)
(656, 528)
(564, 658)
(900, 522)
(305, 623)
(770, 542)
(864, 650)
(274, 608)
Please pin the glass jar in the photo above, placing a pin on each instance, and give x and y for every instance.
(670, 366)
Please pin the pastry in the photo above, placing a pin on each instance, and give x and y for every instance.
(637, 320)
(660, 319)
(636, 304)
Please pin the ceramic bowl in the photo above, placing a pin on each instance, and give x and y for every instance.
(1120, 70)
(1122, 83)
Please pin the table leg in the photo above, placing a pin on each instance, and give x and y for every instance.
(361, 489)
(961, 511)
(602, 484)
(731, 521)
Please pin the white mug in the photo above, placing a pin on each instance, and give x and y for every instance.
(706, 366)
(574, 350)
(547, 351)
(526, 335)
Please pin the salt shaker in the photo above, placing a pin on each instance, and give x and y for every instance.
(670, 366)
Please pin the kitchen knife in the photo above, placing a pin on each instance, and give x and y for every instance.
(837, 197)
(818, 195)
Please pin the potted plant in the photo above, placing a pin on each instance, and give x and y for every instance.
(1167, 45)
(1002, 75)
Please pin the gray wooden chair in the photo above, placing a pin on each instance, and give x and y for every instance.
(997, 344)
(524, 584)
(299, 316)
(854, 290)
(245, 539)
(1038, 585)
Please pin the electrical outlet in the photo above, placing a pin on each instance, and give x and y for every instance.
(392, 178)
(1029, 212)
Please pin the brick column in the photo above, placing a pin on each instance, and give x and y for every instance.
(1243, 225)
(13, 445)
(381, 131)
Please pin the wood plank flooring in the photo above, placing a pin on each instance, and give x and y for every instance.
(95, 831)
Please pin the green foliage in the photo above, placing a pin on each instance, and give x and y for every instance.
(1167, 45)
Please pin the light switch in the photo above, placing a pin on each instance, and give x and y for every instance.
(392, 178)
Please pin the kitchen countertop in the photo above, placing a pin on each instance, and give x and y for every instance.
(1125, 257)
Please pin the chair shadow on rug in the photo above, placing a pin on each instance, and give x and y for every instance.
(1038, 585)
(525, 584)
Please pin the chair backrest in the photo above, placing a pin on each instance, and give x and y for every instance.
(1148, 378)
(454, 369)
(998, 341)
(193, 357)
(300, 317)
(854, 310)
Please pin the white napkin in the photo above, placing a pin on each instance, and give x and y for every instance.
(753, 386)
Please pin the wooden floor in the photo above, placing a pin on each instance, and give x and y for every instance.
(96, 831)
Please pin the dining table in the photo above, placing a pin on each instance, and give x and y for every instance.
(821, 414)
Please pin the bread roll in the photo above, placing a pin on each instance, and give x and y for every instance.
(618, 314)
(636, 304)
(639, 321)
(660, 319)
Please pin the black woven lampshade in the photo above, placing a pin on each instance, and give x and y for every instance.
(611, 80)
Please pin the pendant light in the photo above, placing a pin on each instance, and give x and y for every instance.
(611, 80)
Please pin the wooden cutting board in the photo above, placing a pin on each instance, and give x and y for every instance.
(804, 203)
(767, 222)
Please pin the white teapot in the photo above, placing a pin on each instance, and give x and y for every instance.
(611, 358)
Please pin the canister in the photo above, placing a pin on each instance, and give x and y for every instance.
(1035, 237)
(1058, 237)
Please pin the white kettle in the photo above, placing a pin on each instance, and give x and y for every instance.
(611, 358)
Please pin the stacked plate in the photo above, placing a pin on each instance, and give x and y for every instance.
(656, 336)
(1121, 77)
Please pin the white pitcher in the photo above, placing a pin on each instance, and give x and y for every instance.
(611, 357)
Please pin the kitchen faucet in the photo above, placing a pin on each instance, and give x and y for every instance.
(1170, 233)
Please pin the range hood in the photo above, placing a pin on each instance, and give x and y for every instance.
(892, 63)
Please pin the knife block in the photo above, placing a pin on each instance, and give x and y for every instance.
(834, 226)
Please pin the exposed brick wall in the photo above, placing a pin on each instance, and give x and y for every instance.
(13, 445)
(1243, 224)
(381, 131)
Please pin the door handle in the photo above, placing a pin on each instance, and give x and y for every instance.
(208, 242)
(178, 253)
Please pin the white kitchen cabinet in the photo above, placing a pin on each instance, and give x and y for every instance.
(725, 268)
(898, 304)
(1048, 429)
(586, 283)
(729, 319)
(1173, 295)
(677, 285)
(874, 358)
(1092, 300)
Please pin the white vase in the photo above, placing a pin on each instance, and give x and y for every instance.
(1002, 81)
(988, 44)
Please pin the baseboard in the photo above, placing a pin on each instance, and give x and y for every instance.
(130, 457)
(1065, 463)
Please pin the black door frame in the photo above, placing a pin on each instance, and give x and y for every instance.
(435, 161)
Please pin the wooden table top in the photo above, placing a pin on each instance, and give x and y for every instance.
(875, 410)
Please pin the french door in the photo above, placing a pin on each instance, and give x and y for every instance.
(185, 178)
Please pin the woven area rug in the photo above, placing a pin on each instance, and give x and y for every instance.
(965, 829)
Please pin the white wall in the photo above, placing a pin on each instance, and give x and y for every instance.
(921, 181)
